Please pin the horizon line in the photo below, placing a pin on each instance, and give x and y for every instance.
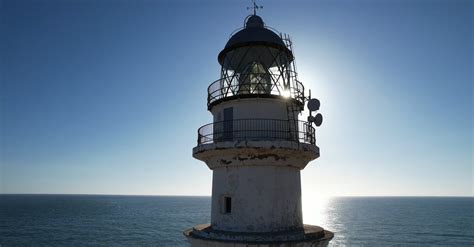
(164, 195)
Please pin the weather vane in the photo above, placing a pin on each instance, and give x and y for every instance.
(255, 7)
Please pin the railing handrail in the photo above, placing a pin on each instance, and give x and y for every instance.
(257, 129)
(250, 119)
(215, 90)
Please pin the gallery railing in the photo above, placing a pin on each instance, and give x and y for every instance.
(255, 85)
(257, 130)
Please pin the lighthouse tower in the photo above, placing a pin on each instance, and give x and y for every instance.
(256, 146)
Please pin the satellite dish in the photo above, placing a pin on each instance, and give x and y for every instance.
(313, 104)
(318, 119)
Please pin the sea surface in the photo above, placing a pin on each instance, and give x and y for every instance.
(92, 220)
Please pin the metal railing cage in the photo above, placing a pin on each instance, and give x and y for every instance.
(257, 130)
(265, 85)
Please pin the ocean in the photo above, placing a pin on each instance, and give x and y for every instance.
(92, 220)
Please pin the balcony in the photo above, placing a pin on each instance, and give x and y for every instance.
(257, 130)
(255, 85)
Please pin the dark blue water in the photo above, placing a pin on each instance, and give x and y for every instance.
(78, 220)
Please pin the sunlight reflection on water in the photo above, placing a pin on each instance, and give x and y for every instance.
(315, 210)
(320, 211)
(372, 221)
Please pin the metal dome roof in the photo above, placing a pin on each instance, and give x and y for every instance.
(254, 33)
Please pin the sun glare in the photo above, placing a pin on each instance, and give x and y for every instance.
(315, 210)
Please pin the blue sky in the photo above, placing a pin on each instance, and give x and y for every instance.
(105, 97)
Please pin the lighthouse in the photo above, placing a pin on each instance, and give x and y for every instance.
(256, 146)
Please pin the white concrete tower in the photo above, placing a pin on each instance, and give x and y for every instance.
(256, 146)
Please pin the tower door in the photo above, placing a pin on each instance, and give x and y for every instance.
(228, 123)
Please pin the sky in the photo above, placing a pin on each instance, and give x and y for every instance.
(105, 97)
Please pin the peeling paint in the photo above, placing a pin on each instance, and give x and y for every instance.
(223, 161)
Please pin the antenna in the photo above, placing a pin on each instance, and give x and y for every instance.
(255, 7)
(313, 106)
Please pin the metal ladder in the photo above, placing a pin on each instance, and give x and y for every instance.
(291, 108)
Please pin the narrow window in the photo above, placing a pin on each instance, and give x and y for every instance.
(228, 205)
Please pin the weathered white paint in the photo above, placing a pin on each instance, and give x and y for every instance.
(256, 153)
(203, 235)
(264, 198)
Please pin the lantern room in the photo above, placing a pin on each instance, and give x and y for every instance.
(256, 62)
